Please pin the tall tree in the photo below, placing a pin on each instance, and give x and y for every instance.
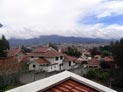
(117, 51)
(4, 45)
(72, 51)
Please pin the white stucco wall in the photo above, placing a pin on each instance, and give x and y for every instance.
(37, 66)
(66, 65)
(52, 68)
(53, 60)
(54, 64)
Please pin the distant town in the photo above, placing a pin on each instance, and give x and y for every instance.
(100, 62)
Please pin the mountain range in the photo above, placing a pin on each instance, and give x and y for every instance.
(55, 39)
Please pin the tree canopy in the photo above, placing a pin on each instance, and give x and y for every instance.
(4, 45)
(117, 52)
(73, 52)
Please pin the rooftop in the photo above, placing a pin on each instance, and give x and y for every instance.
(70, 85)
(41, 61)
(63, 82)
(49, 53)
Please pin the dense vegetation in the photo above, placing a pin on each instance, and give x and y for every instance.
(72, 52)
(115, 76)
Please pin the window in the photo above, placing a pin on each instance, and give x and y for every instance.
(57, 58)
(62, 64)
(34, 66)
(51, 67)
(54, 66)
(69, 63)
(61, 57)
(32, 57)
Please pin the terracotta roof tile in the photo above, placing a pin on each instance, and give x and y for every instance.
(69, 58)
(41, 61)
(9, 65)
(109, 59)
(93, 61)
(70, 86)
(49, 53)
(13, 51)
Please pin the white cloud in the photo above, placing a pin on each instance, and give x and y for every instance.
(32, 18)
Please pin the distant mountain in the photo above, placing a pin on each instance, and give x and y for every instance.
(55, 39)
(1, 25)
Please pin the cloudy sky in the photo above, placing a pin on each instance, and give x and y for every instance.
(26, 19)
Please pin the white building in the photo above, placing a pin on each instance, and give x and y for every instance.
(63, 82)
(70, 62)
(46, 59)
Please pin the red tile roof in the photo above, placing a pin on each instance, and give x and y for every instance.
(49, 53)
(69, 58)
(109, 59)
(41, 61)
(93, 61)
(9, 65)
(13, 51)
(70, 86)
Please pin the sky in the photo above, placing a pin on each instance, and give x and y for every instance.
(25, 19)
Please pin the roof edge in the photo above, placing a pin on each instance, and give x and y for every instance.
(55, 79)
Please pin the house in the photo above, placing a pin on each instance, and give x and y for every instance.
(70, 62)
(63, 82)
(8, 65)
(109, 60)
(46, 59)
(85, 57)
(93, 63)
(16, 52)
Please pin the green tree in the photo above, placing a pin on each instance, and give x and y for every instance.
(72, 52)
(95, 51)
(117, 51)
(4, 45)
(105, 53)
(53, 46)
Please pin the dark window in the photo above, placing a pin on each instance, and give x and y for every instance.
(69, 63)
(61, 57)
(62, 64)
(32, 57)
(57, 58)
(33, 66)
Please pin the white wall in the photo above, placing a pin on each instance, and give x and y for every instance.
(37, 66)
(52, 68)
(54, 64)
(66, 65)
(54, 61)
